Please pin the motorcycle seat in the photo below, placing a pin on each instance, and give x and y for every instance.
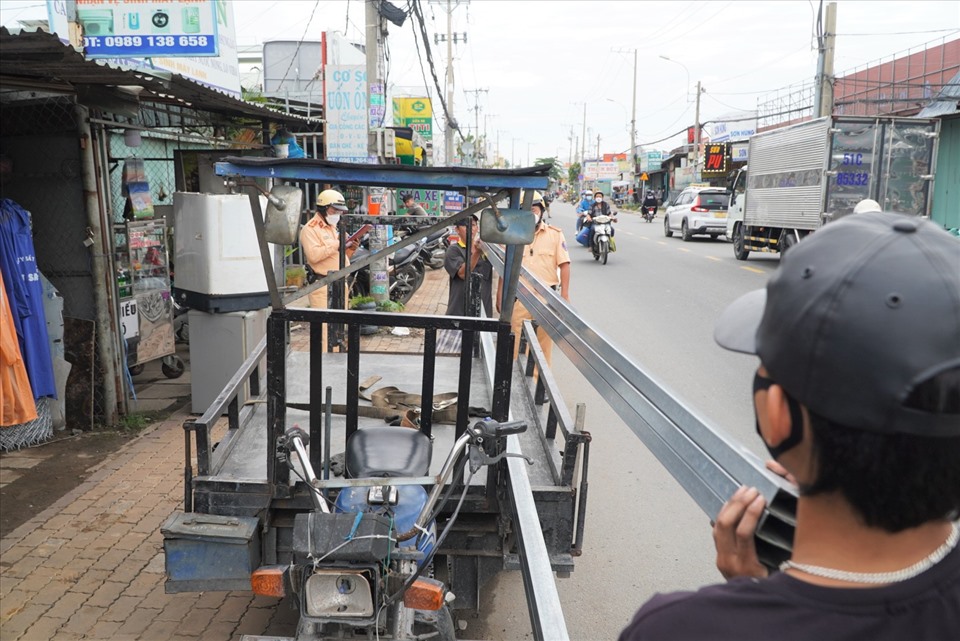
(401, 255)
(388, 452)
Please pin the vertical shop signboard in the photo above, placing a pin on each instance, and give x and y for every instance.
(346, 111)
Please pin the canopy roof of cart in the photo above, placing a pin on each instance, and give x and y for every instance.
(40, 57)
(342, 173)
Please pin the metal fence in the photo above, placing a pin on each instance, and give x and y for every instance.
(40, 139)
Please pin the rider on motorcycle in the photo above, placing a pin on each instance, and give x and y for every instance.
(650, 200)
(583, 207)
(598, 208)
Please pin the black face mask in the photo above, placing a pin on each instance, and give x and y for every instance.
(761, 383)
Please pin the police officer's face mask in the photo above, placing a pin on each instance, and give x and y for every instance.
(333, 219)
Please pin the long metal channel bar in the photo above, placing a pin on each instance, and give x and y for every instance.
(539, 582)
(707, 466)
(380, 176)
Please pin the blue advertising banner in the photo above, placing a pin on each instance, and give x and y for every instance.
(137, 29)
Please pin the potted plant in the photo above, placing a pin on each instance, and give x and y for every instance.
(296, 275)
(390, 306)
(363, 303)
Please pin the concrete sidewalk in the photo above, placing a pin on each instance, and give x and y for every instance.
(92, 566)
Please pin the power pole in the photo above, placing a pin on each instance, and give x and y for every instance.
(633, 112)
(696, 139)
(633, 121)
(378, 239)
(476, 115)
(823, 100)
(598, 147)
(450, 38)
(583, 146)
(448, 139)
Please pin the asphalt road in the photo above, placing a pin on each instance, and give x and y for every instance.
(656, 300)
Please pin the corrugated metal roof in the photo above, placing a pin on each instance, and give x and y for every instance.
(39, 56)
(947, 101)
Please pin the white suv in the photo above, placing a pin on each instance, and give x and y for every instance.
(697, 211)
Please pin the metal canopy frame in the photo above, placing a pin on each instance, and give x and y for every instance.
(342, 173)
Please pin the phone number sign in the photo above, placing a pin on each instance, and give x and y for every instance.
(133, 29)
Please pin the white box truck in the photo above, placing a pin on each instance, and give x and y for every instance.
(805, 175)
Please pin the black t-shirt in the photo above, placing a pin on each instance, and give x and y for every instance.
(452, 260)
(783, 608)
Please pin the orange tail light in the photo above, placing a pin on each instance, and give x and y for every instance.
(424, 594)
(268, 580)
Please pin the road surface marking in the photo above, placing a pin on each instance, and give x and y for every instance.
(683, 249)
(660, 242)
(642, 237)
(629, 233)
(713, 258)
(753, 269)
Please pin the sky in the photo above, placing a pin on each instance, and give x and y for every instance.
(541, 60)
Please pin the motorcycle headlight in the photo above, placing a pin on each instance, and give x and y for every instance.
(338, 593)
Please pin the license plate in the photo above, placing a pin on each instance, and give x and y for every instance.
(719, 214)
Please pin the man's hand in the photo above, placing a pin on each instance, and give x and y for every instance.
(588, 218)
(733, 535)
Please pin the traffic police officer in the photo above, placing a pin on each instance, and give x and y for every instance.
(321, 244)
(547, 259)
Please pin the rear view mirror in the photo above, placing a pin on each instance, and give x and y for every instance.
(282, 220)
(507, 226)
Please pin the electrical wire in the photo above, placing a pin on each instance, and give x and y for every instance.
(418, 14)
(296, 52)
(436, 546)
(899, 33)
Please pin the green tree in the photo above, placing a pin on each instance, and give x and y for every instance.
(556, 169)
(573, 173)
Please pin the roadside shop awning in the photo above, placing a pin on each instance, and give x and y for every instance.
(39, 58)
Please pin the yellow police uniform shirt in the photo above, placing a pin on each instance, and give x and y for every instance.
(546, 253)
(321, 246)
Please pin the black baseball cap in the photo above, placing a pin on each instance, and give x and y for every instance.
(856, 316)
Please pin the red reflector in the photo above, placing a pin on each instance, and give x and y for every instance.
(424, 594)
(268, 581)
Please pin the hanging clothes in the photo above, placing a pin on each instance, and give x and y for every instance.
(25, 293)
(16, 398)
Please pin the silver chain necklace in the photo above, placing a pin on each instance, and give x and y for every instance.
(881, 577)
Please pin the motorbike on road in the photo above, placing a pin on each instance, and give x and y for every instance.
(649, 212)
(602, 237)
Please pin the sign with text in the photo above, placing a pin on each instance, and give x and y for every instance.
(739, 152)
(651, 160)
(429, 199)
(416, 113)
(715, 160)
(220, 71)
(346, 110)
(137, 29)
(594, 170)
(733, 127)
(453, 201)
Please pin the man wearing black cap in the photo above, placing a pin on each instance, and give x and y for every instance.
(857, 396)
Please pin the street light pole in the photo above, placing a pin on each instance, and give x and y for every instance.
(633, 121)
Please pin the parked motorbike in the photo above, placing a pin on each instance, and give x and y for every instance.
(405, 270)
(602, 237)
(649, 213)
(434, 249)
(363, 567)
